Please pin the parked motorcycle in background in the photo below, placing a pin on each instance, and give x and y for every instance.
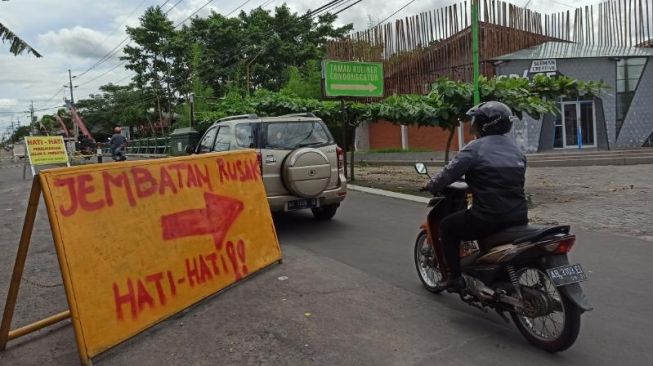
(523, 271)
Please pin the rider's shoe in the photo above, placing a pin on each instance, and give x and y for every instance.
(453, 284)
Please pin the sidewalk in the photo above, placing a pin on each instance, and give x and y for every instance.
(614, 199)
(557, 158)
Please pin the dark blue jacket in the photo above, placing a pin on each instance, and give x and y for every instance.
(495, 170)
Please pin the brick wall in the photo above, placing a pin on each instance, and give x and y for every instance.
(384, 134)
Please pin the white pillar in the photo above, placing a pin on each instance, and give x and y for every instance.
(404, 137)
(461, 137)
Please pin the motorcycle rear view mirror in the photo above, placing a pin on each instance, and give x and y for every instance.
(421, 169)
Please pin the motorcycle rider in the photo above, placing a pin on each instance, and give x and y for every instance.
(494, 168)
(118, 145)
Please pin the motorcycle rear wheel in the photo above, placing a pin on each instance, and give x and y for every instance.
(562, 336)
(426, 264)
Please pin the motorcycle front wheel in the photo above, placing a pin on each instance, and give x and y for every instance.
(426, 263)
(549, 320)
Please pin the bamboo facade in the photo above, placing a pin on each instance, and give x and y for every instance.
(418, 49)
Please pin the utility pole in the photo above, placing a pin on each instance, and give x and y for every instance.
(13, 132)
(72, 102)
(31, 117)
(31, 112)
(475, 56)
(192, 109)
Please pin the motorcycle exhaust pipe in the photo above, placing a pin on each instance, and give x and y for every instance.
(478, 288)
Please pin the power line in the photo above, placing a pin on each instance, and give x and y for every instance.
(55, 95)
(195, 12)
(104, 73)
(323, 8)
(239, 6)
(118, 47)
(266, 3)
(343, 9)
(395, 13)
(334, 4)
(124, 21)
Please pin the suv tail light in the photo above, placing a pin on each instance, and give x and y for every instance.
(259, 158)
(341, 157)
(561, 246)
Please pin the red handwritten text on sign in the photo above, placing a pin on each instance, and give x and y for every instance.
(215, 220)
(88, 193)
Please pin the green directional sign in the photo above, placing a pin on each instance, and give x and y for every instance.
(352, 79)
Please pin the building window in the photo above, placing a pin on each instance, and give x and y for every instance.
(629, 71)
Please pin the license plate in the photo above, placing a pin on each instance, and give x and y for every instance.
(301, 204)
(566, 275)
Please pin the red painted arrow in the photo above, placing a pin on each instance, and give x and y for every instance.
(216, 219)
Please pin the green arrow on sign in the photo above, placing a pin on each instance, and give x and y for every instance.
(352, 79)
(368, 87)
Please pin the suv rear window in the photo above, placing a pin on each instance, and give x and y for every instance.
(290, 135)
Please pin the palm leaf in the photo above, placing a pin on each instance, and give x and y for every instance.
(17, 45)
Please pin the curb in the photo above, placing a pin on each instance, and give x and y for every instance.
(382, 192)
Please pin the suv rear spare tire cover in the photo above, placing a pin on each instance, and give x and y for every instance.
(306, 172)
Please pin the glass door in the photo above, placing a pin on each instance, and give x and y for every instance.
(570, 121)
(586, 123)
(577, 126)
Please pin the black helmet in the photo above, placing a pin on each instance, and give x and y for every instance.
(491, 118)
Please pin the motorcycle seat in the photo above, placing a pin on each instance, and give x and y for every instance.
(521, 234)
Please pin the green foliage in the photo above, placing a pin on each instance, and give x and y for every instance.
(20, 132)
(16, 44)
(214, 57)
(305, 82)
(445, 106)
(115, 105)
(262, 42)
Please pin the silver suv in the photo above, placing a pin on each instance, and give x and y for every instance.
(300, 162)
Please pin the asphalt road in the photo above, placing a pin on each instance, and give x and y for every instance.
(346, 294)
(375, 235)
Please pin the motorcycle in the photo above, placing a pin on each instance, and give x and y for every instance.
(523, 271)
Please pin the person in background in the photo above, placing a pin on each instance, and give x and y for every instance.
(118, 145)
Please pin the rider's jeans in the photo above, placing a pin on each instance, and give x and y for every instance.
(463, 226)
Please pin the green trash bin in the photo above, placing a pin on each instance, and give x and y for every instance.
(181, 138)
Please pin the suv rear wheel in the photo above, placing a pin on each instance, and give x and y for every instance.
(325, 212)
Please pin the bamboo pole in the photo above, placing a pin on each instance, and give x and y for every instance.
(40, 324)
(648, 27)
(630, 23)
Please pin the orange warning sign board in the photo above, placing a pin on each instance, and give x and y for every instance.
(44, 150)
(139, 241)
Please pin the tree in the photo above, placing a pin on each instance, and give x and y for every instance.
(305, 82)
(20, 132)
(16, 44)
(160, 59)
(267, 45)
(116, 105)
(449, 100)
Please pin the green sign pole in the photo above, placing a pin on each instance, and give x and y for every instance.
(475, 61)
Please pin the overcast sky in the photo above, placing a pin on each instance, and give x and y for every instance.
(75, 34)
